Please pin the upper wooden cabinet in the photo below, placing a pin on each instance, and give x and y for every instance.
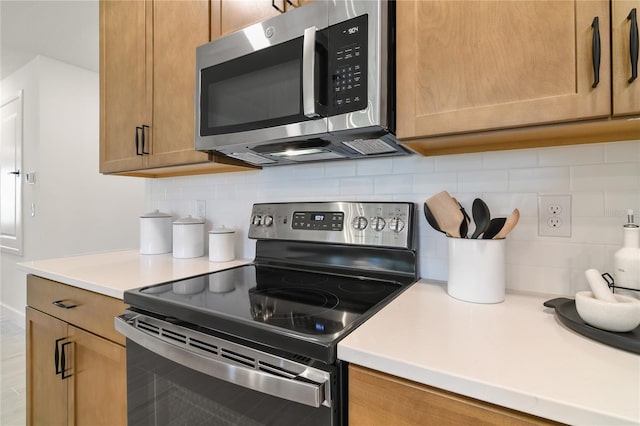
(626, 95)
(468, 66)
(228, 16)
(122, 83)
(147, 81)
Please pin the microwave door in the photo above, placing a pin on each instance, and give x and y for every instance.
(276, 93)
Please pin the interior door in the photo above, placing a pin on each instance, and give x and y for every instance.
(11, 175)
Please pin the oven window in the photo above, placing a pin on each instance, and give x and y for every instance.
(258, 90)
(162, 392)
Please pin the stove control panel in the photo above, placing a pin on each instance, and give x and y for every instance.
(385, 224)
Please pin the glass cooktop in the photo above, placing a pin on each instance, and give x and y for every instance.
(302, 302)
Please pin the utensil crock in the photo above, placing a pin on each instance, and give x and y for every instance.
(476, 270)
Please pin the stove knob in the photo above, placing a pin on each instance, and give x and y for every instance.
(378, 223)
(267, 220)
(396, 225)
(359, 223)
(256, 220)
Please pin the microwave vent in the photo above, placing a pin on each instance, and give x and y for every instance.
(252, 158)
(370, 146)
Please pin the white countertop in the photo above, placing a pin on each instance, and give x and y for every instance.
(514, 354)
(111, 273)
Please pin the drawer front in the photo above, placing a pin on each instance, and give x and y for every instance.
(85, 309)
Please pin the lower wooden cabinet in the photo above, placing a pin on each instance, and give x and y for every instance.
(74, 377)
(376, 398)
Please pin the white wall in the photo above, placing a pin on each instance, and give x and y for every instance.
(77, 209)
(603, 179)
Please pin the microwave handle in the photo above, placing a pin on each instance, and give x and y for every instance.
(308, 75)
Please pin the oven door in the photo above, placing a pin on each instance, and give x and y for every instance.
(176, 375)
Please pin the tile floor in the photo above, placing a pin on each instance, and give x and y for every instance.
(12, 369)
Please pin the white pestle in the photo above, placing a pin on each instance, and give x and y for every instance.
(599, 286)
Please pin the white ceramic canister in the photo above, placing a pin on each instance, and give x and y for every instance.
(155, 233)
(188, 238)
(221, 244)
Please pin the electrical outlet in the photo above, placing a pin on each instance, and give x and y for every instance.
(554, 215)
(201, 209)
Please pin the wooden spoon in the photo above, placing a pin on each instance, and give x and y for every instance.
(509, 224)
(430, 219)
(446, 212)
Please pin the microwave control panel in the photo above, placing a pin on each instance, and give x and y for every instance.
(348, 65)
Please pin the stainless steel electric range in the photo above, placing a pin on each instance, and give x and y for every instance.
(256, 344)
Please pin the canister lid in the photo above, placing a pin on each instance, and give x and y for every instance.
(222, 230)
(188, 221)
(155, 213)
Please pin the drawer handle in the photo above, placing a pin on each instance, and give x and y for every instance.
(595, 51)
(633, 44)
(59, 304)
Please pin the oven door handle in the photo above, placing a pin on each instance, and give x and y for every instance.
(303, 392)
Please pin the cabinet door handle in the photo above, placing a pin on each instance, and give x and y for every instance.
(63, 362)
(56, 355)
(59, 304)
(633, 44)
(595, 51)
(273, 3)
(144, 126)
(138, 140)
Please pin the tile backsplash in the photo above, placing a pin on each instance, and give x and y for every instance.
(602, 179)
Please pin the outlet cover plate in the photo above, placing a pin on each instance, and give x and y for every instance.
(554, 215)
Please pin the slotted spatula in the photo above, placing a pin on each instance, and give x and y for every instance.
(446, 212)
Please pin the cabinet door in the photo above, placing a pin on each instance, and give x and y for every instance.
(99, 380)
(178, 28)
(465, 66)
(47, 399)
(122, 83)
(626, 96)
(237, 14)
(380, 399)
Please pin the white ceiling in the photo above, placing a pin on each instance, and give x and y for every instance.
(66, 30)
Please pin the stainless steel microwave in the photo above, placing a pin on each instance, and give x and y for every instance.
(314, 84)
